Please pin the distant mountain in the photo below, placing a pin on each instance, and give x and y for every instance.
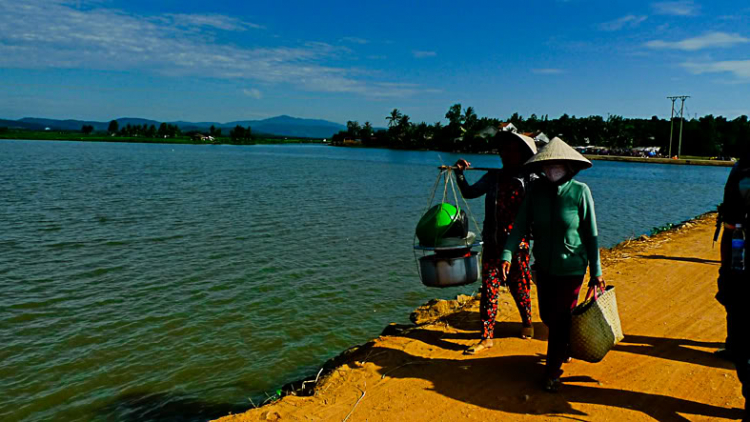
(61, 124)
(290, 126)
(280, 125)
(17, 124)
(285, 120)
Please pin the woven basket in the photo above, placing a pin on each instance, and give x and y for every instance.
(596, 327)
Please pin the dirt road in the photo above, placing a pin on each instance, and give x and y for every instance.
(663, 370)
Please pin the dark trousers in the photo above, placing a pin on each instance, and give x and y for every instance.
(558, 295)
(737, 332)
(738, 328)
(734, 293)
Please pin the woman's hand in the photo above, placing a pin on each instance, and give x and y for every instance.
(462, 164)
(597, 282)
(505, 269)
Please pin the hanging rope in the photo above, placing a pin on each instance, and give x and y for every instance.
(471, 214)
(448, 176)
(434, 189)
(429, 204)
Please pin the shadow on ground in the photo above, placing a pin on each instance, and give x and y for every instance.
(510, 384)
(682, 258)
(674, 349)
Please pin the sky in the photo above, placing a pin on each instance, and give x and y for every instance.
(228, 60)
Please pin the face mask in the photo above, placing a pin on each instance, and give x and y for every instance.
(555, 172)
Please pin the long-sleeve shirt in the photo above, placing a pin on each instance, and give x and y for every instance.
(563, 222)
(503, 195)
(734, 209)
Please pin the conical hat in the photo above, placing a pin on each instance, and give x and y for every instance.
(527, 141)
(558, 150)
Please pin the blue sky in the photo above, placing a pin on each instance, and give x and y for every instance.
(340, 60)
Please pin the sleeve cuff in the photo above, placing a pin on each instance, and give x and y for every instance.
(507, 255)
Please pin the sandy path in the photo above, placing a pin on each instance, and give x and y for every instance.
(664, 370)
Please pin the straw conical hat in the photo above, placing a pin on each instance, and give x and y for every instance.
(527, 141)
(558, 150)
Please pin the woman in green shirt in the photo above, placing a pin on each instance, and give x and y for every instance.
(559, 212)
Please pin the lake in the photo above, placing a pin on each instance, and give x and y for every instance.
(179, 282)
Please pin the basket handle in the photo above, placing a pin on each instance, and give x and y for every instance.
(594, 291)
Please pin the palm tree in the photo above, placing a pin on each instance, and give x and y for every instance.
(404, 123)
(470, 118)
(394, 118)
(454, 115)
(366, 130)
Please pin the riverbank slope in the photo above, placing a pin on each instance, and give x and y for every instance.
(663, 370)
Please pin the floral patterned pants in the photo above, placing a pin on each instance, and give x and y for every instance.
(518, 282)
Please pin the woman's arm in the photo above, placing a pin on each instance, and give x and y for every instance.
(481, 187)
(589, 232)
(520, 229)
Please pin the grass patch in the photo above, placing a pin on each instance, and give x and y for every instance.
(80, 137)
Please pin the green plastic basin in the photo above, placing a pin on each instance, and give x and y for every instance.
(436, 222)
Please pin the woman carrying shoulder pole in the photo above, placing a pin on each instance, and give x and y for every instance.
(504, 190)
(559, 211)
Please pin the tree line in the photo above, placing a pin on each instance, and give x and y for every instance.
(710, 136)
(238, 135)
(165, 130)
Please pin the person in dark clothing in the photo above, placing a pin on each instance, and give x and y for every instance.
(504, 191)
(734, 284)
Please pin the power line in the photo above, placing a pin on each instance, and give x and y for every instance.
(682, 98)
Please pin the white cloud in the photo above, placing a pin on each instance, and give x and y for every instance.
(707, 40)
(547, 71)
(222, 22)
(676, 8)
(631, 21)
(423, 54)
(53, 34)
(739, 68)
(253, 93)
(355, 40)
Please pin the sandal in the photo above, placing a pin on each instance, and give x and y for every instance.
(527, 332)
(477, 348)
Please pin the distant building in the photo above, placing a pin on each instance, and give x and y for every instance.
(488, 132)
(491, 131)
(201, 137)
(508, 127)
(539, 138)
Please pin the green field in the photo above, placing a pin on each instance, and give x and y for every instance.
(100, 137)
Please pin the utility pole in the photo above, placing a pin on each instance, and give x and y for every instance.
(671, 125)
(682, 98)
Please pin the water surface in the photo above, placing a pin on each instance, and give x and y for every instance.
(177, 282)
